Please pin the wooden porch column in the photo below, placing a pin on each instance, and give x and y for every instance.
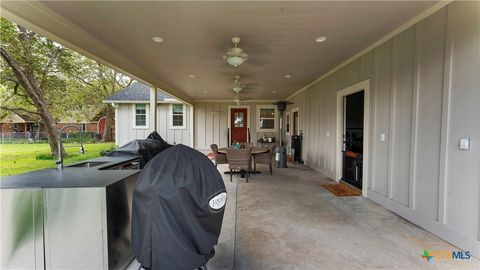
(153, 108)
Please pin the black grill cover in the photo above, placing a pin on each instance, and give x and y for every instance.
(155, 136)
(146, 149)
(178, 206)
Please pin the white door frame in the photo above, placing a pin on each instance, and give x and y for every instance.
(230, 107)
(361, 86)
(296, 109)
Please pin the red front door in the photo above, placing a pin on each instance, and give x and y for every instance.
(238, 125)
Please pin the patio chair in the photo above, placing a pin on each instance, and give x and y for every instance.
(239, 159)
(219, 158)
(266, 158)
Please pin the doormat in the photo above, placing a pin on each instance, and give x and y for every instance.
(342, 189)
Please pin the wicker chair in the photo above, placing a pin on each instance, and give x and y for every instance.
(266, 158)
(219, 158)
(239, 159)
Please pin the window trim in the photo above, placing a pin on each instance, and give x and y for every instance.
(170, 115)
(147, 116)
(275, 120)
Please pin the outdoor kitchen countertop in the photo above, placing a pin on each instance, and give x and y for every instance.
(72, 176)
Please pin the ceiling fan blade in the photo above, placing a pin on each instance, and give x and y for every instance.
(256, 48)
(257, 62)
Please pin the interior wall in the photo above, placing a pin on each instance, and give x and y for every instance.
(211, 123)
(424, 96)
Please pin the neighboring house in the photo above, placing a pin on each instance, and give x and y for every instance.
(22, 123)
(90, 126)
(132, 114)
(18, 123)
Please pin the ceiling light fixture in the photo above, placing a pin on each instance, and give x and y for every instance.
(191, 76)
(237, 85)
(157, 39)
(320, 39)
(273, 92)
(288, 76)
(235, 56)
(205, 91)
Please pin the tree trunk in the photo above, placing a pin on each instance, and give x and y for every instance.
(34, 92)
(107, 132)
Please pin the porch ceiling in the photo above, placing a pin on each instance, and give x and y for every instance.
(279, 38)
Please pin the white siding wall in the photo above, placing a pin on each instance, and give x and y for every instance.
(126, 132)
(211, 123)
(425, 91)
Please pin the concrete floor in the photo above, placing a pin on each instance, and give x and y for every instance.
(288, 221)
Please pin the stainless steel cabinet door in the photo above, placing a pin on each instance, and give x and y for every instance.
(21, 229)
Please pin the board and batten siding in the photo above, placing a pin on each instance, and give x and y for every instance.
(211, 123)
(424, 96)
(126, 132)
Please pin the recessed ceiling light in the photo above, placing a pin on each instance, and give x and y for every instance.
(273, 92)
(287, 76)
(191, 76)
(157, 39)
(320, 39)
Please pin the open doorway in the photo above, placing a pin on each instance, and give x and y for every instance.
(352, 135)
(352, 167)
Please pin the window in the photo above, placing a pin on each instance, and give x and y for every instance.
(141, 116)
(239, 120)
(178, 116)
(266, 118)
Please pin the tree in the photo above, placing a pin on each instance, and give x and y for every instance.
(40, 77)
(98, 82)
(31, 66)
(111, 81)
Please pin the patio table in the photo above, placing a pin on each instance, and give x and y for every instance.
(255, 151)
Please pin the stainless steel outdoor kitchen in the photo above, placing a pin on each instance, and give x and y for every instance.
(103, 212)
(77, 217)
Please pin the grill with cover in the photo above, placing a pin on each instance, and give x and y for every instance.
(178, 207)
(145, 149)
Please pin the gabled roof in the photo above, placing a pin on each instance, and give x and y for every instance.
(137, 92)
(17, 118)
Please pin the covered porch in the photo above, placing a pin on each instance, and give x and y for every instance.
(415, 64)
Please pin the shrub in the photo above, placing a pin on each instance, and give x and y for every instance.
(44, 157)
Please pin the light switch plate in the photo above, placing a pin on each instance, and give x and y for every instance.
(464, 144)
(382, 137)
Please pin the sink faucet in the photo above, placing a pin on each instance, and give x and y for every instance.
(59, 161)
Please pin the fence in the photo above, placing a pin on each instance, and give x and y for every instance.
(42, 137)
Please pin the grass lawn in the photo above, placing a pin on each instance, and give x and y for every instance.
(20, 158)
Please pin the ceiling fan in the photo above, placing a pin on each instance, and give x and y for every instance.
(237, 85)
(235, 56)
